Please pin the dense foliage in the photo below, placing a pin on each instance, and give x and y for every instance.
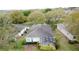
(36, 17)
(6, 30)
(49, 16)
(72, 22)
(18, 17)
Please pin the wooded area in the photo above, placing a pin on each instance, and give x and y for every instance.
(67, 16)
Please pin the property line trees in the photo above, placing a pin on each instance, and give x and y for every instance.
(18, 17)
(6, 32)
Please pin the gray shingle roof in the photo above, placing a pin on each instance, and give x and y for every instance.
(42, 31)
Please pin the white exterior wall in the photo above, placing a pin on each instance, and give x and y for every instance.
(22, 31)
(62, 29)
(32, 39)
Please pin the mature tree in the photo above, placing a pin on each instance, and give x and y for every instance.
(55, 13)
(54, 16)
(26, 12)
(36, 17)
(17, 17)
(46, 10)
(72, 22)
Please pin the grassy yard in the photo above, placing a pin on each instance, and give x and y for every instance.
(63, 44)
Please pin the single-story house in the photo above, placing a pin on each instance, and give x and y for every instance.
(37, 33)
(42, 34)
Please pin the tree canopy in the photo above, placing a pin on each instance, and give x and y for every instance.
(72, 21)
(36, 17)
(6, 32)
(17, 17)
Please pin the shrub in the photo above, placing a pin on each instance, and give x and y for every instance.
(47, 47)
(20, 43)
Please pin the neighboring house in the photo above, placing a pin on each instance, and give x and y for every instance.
(42, 34)
(66, 33)
(21, 29)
